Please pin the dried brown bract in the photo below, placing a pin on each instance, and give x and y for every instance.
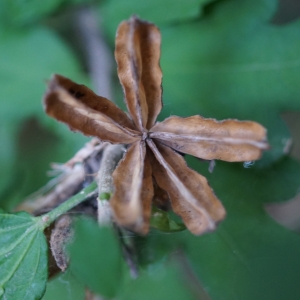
(152, 152)
(61, 235)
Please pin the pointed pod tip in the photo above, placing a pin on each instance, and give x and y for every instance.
(53, 82)
(206, 226)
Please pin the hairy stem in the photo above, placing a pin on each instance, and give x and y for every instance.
(87, 193)
(111, 157)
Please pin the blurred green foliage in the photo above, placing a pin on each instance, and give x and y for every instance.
(64, 286)
(220, 59)
(156, 11)
(28, 137)
(17, 13)
(88, 263)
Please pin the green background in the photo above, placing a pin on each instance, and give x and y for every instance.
(220, 59)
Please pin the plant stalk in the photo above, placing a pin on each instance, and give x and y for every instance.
(111, 157)
(85, 194)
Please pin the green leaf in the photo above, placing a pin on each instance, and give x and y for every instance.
(163, 283)
(28, 58)
(23, 257)
(13, 12)
(95, 258)
(249, 256)
(7, 154)
(156, 11)
(64, 287)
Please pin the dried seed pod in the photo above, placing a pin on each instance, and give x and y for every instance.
(61, 235)
(153, 147)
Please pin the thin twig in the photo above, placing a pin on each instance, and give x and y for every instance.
(97, 54)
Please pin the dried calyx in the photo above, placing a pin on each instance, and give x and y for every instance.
(152, 151)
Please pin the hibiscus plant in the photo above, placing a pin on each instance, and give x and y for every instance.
(127, 203)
